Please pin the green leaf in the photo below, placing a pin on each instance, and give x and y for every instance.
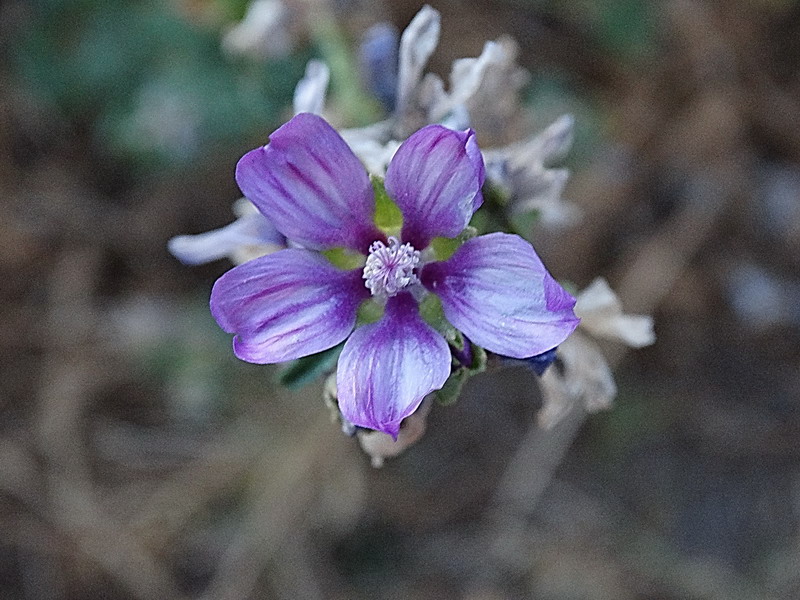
(153, 88)
(451, 389)
(443, 248)
(303, 371)
(344, 258)
(481, 222)
(523, 223)
(431, 311)
(369, 312)
(387, 214)
(494, 194)
(628, 27)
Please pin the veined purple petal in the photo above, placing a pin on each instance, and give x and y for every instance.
(286, 305)
(311, 186)
(497, 291)
(435, 178)
(386, 368)
(476, 158)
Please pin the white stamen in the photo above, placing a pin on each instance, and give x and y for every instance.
(390, 269)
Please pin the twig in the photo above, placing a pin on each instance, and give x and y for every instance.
(69, 377)
(279, 501)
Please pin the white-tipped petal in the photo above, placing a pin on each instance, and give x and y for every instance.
(248, 237)
(417, 43)
(309, 94)
(601, 315)
(585, 381)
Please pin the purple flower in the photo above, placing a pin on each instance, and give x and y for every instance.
(295, 302)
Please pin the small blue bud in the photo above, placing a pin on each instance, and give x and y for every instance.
(540, 362)
(378, 62)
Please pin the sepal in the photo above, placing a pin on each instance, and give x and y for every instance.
(451, 390)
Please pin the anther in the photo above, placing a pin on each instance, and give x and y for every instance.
(390, 269)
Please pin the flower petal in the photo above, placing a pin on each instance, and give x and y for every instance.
(417, 43)
(309, 93)
(601, 315)
(311, 186)
(286, 305)
(250, 231)
(435, 178)
(497, 291)
(386, 368)
(585, 379)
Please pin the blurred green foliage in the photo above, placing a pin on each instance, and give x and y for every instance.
(199, 377)
(150, 81)
(625, 28)
(552, 94)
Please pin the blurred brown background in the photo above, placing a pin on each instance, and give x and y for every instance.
(140, 459)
